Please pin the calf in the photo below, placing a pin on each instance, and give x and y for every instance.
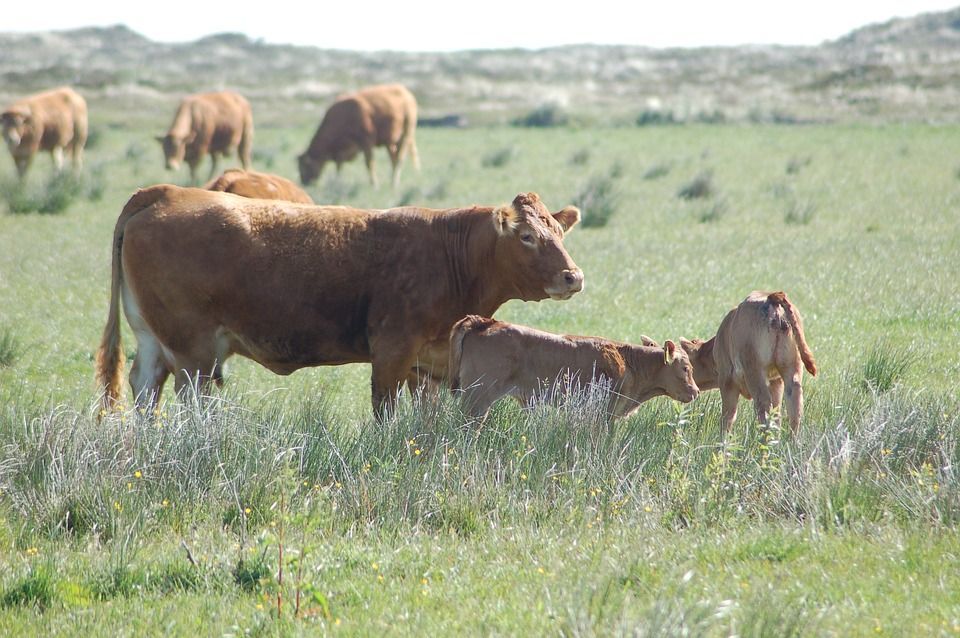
(491, 359)
(759, 352)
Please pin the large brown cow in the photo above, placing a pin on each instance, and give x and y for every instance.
(491, 359)
(53, 121)
(258, 186)
(759, 351)
(384, 115)
(204, 275)
(209, 123)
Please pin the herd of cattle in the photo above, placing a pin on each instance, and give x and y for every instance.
(248, 265)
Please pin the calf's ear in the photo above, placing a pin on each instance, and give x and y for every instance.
(568, 217)
(669, 351)
(647, 341)
(160, 138)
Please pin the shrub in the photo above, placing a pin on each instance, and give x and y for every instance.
(654, 117)
(714, 212)
(699, 187)
(546, 116)
(59, 191)
(500, 157)
(597, 201)
(656, 171)
(800, 212)
(581, 157)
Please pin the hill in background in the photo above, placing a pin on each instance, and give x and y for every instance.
(904, 69)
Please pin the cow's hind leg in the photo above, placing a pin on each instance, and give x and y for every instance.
(759, 388)
(368, 158)
(151, 364)
(729, 397)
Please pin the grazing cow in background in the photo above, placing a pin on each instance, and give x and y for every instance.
(759, 352)
(491, 359)
(258, 186)
(209, 123)
(51, 121)
(205, 275)
(384, 115)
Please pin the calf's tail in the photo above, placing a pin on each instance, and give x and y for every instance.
(796, 325)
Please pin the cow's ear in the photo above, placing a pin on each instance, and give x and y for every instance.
(688, 345)
(161, 138)
(568, 217)
(506, 219)
(669, 351)
(647, 341)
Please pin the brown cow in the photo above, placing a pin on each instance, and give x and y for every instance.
(491, 359)
(258, 186)
(384, 115)
(204, 275)
(214, 123)
(52, 121)
(760, 352)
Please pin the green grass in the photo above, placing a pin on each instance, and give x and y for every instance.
(546, 520)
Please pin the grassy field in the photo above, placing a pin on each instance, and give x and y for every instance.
(547, 520)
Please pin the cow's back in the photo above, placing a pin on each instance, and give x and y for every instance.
(291, 284)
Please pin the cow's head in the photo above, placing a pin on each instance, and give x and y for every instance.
(677, 374)
(530, 255)
(175, 148)
(310, 168)
(15, 123)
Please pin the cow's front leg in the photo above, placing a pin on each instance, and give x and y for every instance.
(391, 368)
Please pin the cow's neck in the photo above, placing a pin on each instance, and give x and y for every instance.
(470, 240)
(644, 364)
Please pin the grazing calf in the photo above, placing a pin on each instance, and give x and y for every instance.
(491, 359)
(759, 352)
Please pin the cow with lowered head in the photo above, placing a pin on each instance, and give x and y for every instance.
(54, 121)
(211, 124)
(384, 115)
(205, 275)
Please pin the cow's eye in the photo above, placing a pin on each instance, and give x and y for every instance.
(527, 238)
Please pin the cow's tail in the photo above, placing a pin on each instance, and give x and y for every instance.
(457, 333)
(796, 325)
(110, 359)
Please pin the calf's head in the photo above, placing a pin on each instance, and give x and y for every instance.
(530, 257)
(677, 375)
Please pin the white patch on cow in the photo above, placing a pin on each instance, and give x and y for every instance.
(152, 359)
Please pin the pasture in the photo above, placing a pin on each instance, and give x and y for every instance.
(547, 520)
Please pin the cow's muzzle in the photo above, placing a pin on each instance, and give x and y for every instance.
(567, 284)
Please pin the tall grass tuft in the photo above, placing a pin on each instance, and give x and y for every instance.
(597, 200)
(885, 365)
(714, 212)
(36, 589)
(799, 213)
(656, 171)
(699, 187)
(10, 347)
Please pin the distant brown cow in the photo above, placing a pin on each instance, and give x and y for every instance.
(258, 186)
(491, 359)
(205, 275)
(214, 123)
(384, 115)
(52, 121)
(760, 352)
